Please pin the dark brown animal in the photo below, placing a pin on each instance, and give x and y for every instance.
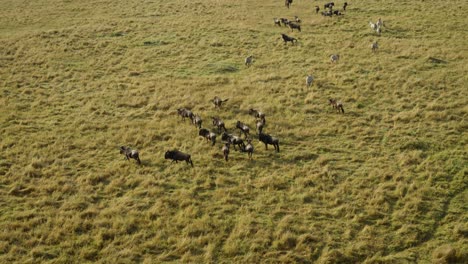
(234, 140)
(243, 128)
(130, 153)
(249, 148)
(197, 121)
(184, 113)
(176, 156)
(208, 135)
(288, 3)
(225, 150)
(269, 140)
(293, 26)
(287, 39)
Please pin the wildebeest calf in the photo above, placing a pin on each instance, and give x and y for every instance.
(176, 156)
(225, 150)
(130, 153)
(336, 105)
(269, 140)
(197, 121)
(208, 135)
(287, 39)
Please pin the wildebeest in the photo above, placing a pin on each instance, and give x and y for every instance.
(334, 58)
(287, 38)
(337, 13)
(217, 122)
(288, 3)
(336, 105)
(297, 19)
(130, 153)
(277, 21)
(345, 5)
(375, 46)
(176, 155)
(284, 21)
(269, 140)
(257, 114)
(309, 80)
(218, 101)
(234, 140)
(293, 26)
(260, 124)
(225, 150)
(184, 112)
(327, 13)
(329, 5)
(317, 9)
(249, 60)
(197, 121)
(243, 128)
(249, 148)
(208, 135)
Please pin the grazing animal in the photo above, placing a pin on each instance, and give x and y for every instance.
(293, 26)
(225, 150)
(336, 105)
(288, 3)
(327, 13)
(208, 135)
(375, 46)
(297, 19)
(130, 153)
(378, 30)
(234, 140)
(248, 61)
(260, 124)
(372, 25)
(284, 21)
(249, 148)
(309, 80)
(345, 5)
(287, 38)
(184, 112)
(317, 9)
(197, 121)
(243, 128)
(219, 124)
(329, 5)
(218, 101)
(277, 21)
(176, 156)
(379, 22)
(337, 13)
(257, 114)
(334, 58)
(269, 140)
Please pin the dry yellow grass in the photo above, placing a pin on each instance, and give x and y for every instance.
(383, 183)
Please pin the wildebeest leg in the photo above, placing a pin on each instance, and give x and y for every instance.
(138, 160)
(266, 146)
(277, 147)
(190, 160)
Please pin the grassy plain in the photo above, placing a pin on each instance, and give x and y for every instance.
(383, 183)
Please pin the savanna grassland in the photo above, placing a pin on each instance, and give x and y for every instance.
(386, 182)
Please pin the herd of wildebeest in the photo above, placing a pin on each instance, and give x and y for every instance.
(236, 141)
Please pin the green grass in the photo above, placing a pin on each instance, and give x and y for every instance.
(383, 183)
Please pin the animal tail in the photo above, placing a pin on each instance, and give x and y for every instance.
(225, 100)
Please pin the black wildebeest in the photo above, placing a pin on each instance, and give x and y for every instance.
(293, 26)
(208, 135)
(269, 140)
(336, 105)
(219, 124)
(243, 128)
(345, 5)
(288, 3)
(184, 112)
(130, 153)
(197, 121)
(287, 38)
(234, 140)
(317, 9)
(225, 150)
(218, 101)
(176, 156)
